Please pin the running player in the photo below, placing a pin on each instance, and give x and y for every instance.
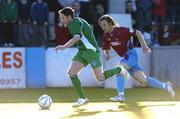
(119, 38)
(88, 53)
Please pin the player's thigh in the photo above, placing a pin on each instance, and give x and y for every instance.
(130, 58)
(93, 58)
(98, 73)
(75, 67)
(95, 62)
(140, 77)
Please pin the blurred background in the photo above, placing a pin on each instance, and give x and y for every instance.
(27, 23)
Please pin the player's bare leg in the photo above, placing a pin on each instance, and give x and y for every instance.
(140, 77)
(98, 73)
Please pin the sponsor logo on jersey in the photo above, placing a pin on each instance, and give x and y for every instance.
(115, 43)
(93, 63)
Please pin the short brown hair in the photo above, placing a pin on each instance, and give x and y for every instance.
(107, 18)
(67, 11)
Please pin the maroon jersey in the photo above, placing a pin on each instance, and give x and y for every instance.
(119, 39)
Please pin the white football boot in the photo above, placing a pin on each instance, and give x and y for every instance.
(80, 102)
(169, 88)
(118, 98)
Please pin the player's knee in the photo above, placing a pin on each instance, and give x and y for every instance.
(143, 81)
(99, 78)
(72, 75)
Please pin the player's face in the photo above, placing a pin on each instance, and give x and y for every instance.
(105, 26)
(64, 19)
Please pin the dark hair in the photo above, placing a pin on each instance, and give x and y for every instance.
(67, 11)
(107, 18)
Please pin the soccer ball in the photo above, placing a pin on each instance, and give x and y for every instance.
(45, 101)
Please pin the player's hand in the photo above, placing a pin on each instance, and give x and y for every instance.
(59, 47)
(146, 49)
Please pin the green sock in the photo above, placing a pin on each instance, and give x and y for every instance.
(111, 72)
(77, 85)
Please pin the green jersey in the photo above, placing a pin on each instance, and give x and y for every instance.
(1, 12)
(10, 10)
(80, 27)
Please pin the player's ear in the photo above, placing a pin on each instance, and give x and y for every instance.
(110, 24)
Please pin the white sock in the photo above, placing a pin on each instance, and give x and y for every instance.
(120, 93)
(164, 85)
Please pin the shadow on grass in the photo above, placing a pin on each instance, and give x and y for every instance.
(138, 110)
(82, 112)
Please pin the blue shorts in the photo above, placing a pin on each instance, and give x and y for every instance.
(131, 59)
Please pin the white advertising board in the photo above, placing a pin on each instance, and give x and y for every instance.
(57, 65)
(12, 68)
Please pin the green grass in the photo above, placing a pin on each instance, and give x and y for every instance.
(141, 103)
(60, 95)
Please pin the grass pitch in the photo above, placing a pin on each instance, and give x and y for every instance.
(141, 103)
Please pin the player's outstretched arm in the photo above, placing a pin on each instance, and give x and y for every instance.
(142, 42)
(70, 43)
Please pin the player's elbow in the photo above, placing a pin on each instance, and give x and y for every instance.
(76, 37)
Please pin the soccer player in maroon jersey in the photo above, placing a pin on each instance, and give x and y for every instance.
(120, 39)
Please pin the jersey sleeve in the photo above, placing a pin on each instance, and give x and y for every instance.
(106, 44)
(75, 28)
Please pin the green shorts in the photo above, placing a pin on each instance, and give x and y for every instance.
(88, 57)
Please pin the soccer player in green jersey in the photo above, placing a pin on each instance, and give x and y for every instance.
(88, 53)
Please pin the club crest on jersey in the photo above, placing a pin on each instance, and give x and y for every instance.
(131, 30)
(115, 43)
(93, 63)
